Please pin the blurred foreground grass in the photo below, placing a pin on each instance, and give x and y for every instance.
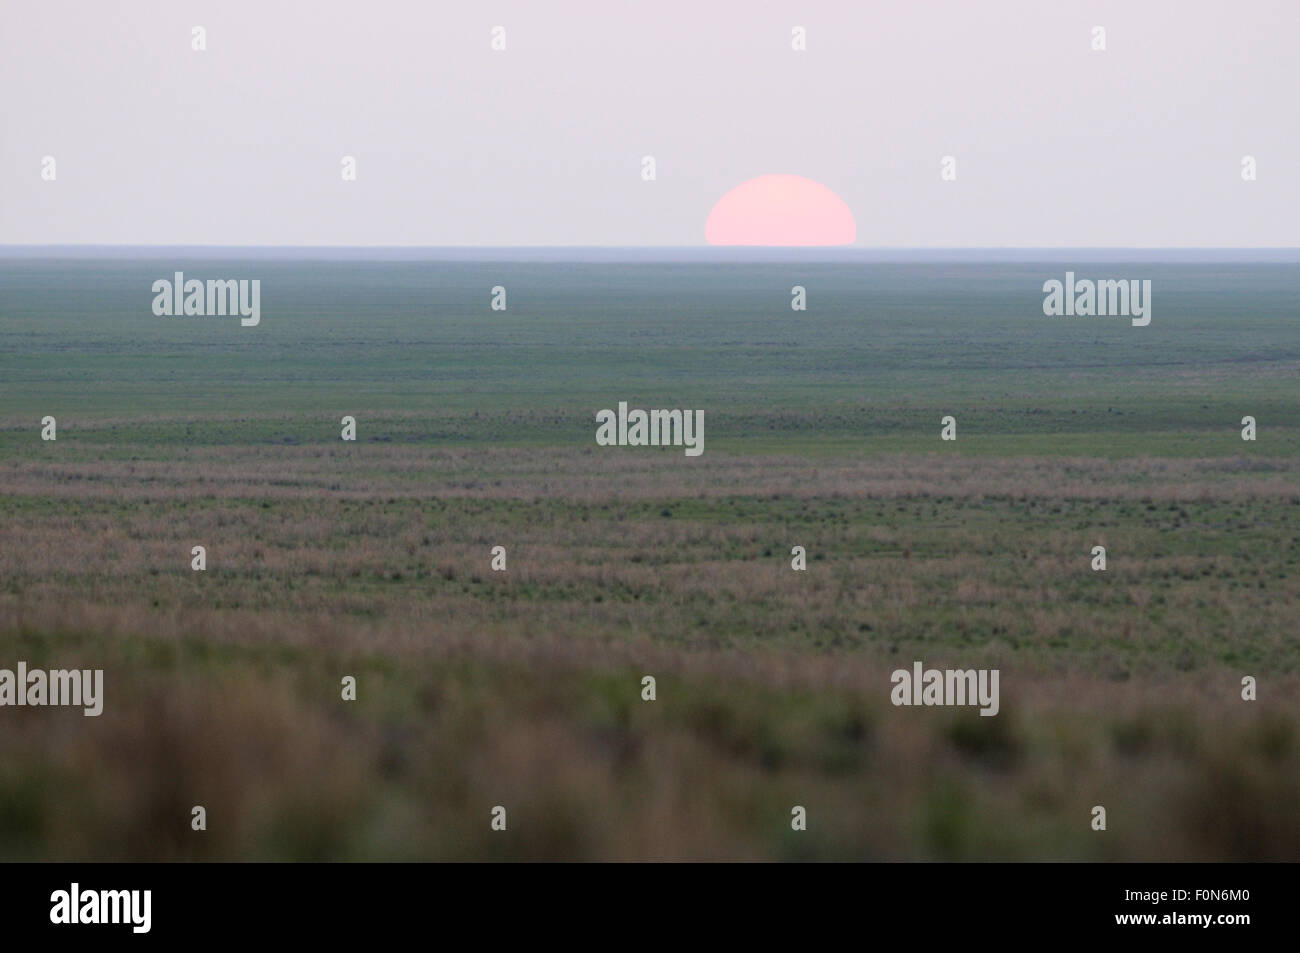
(258, 735)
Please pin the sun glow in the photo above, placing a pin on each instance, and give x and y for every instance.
(780, 210)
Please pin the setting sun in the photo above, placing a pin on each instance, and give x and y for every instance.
(780, 210)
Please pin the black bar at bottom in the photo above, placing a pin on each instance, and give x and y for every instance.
(334, 902)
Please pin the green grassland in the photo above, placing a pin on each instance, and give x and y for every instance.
(477, 688)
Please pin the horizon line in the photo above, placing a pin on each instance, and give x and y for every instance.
(1270, 253)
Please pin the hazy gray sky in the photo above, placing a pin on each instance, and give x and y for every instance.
(541, 144)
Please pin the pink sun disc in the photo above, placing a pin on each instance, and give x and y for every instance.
(780, 210)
